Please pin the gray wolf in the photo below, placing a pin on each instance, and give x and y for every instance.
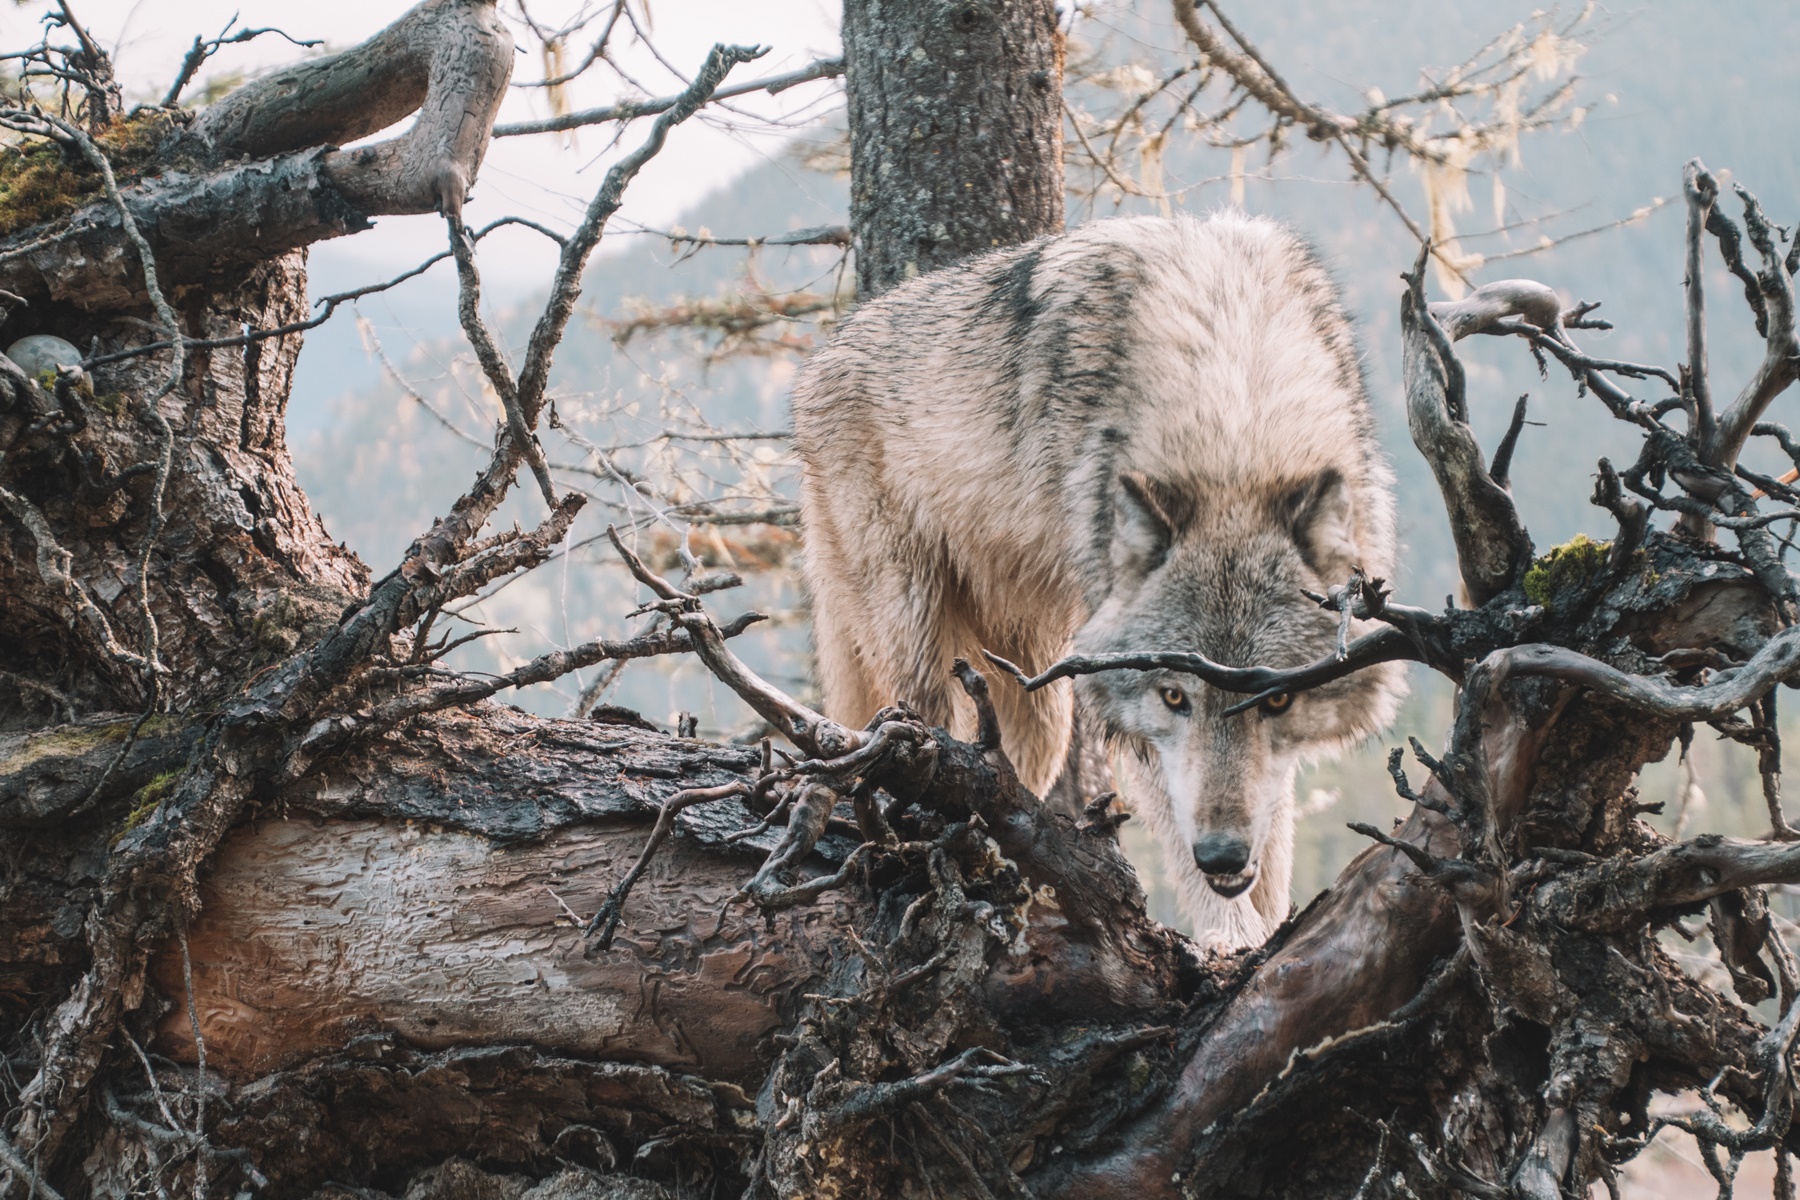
(1147, 433)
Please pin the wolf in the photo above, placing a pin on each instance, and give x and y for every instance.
(1147, 433)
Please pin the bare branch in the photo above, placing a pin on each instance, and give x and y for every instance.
(817, 735)
(328, 304)
(487, 353)
(205, 48)
(546, 667)
(825, 68)
(1485, 309)
(1501, 468)
(9, 1158)
(1701, 190)
(1256, 76)
(1781, 358)
(594, 54)
(1384, 645)
(814, 235)
(987, 735)
(1775, 662)
(606, 918)
(534, 376)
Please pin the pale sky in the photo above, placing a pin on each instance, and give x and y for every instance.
(539, 177)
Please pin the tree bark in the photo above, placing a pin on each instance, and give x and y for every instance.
(955, 131)
(245, 573)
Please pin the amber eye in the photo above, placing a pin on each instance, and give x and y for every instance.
(1175, 698)
(1274, 706)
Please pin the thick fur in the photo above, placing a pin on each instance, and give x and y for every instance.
(1144, 434)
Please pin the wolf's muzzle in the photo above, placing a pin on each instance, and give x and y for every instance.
(1225, 861)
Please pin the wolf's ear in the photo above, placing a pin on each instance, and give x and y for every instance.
(1146, 517)
(1322, 515)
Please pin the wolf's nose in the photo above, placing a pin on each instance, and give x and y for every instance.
(1221, 854)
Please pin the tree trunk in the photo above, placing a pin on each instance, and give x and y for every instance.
(240, 571)
(955, 131)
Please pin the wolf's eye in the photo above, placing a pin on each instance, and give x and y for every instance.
(1175, 698)
(1274, 706)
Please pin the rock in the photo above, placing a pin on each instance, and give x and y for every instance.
(43, 352)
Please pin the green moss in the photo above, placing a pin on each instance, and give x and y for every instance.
(1571, 564)
(40, 182)
(145, 800)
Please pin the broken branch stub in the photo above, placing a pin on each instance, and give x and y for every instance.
(1492, 303)
(1492, 547)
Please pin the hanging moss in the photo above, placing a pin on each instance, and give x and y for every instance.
(1569, 565)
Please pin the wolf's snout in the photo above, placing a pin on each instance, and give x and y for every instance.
(1221, 854)
(1225, 860)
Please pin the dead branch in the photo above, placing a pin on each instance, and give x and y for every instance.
(1781, 358)
(825, 68)
(487, 353)
(817, 735)
(606, 920)
(1730, 690)
(1492, 547)
(1488, 306)
(738, 319)
(814, 235)
(1384, 645)
(565, 287)
(545, 668)
(328, 305)
(1254, 74)
(205, 48)
(1700, 190)
(1622, 893)
(447, 60)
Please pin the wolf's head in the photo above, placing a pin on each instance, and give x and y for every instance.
(1225, 579)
